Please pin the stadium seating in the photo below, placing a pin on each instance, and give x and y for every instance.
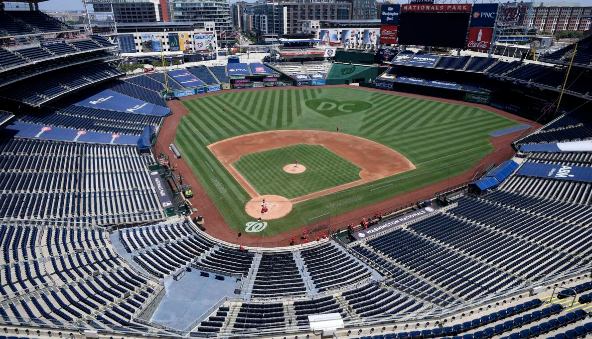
(220, 73)
(203, 73)
(14, 23)
(479, 64)
(5, 117)
(138, 92)
(89, 119)
(331, 267)
(9, 59)
(146, 82)
(582, 58)
(454, 63)
(62, 274)
(109, 184)
(278, 275)
(53, 85)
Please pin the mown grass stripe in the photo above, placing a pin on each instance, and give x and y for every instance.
(441, 139)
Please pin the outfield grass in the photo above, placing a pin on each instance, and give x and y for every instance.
(324, 169)
(441, 139)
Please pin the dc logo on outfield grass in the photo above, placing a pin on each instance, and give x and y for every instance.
(333, 108)
(255, 226)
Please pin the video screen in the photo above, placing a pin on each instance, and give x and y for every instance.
(433, 29)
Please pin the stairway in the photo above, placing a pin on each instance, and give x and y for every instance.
(311, 289)
(250, 278)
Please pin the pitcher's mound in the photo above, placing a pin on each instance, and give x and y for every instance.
(268, 207)
(294, 169)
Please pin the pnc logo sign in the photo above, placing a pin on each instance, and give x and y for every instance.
(484, 15)
(333, 108)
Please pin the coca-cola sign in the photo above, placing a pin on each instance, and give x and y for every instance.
(480, 38)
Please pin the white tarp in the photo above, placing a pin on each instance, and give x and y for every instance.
(325, 322)
(575, 146)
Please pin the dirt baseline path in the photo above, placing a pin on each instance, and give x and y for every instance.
(376, 161)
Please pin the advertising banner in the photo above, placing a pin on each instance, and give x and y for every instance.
(184, 41)
(349, 37)
(393, 223)
(422, 60)
(179, 93)
(479, 38)
(436, 8)
(383, 84)
(484, 15)
(259, 68)
(389, 14)
(237, 69)
(329, 37)
(386, 54)
(403, 58)
(371, 37)
(329, 52)
(388, 34)
(556, 171)
(161, 190)
(151, 43)
(174, 42)
(205, 42)
(214, 88)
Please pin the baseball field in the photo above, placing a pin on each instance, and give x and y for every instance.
(326, 150)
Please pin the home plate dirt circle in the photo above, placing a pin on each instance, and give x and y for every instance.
(294, 168)
(268, 207)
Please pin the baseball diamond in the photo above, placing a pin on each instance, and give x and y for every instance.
(325, 169)
(439, 139)
(420, 176)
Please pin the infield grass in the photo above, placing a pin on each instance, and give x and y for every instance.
(324, 169)
(441, 139)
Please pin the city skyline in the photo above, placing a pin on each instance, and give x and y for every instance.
(57, 5)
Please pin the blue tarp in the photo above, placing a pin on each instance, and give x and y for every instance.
(145, 141)
(556, 171)
(509, 130)
(186, 79)
(259, 68)
(237, 69)
(551, 148)
(503, 171)
(37, 131)
(486, 183)
(497, 175)
(115, 101)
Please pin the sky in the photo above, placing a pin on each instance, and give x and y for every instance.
(55, 5)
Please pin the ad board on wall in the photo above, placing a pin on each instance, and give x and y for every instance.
(484, 15)
(205, 42)
(389, 14)
(151, 43)
(174, 42)
(349, 37)
(388, 34)
(185, 41)
(480, 38)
